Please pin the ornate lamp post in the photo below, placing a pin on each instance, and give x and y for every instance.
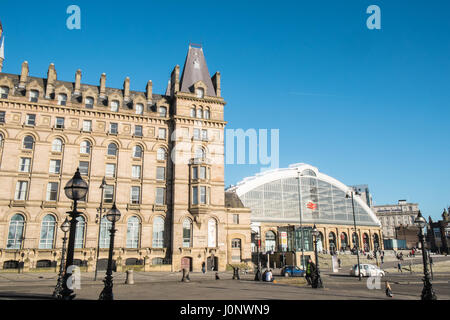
(57, 292)
(354, 225)
(427, 292)
(317, 282)
(113, 216)
(258, 276)
(99, 217)
(75, 190)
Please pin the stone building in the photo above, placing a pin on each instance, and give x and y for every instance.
(438, 234)
(161, 155)
(409, 234)
(394, 215)
(286, 203)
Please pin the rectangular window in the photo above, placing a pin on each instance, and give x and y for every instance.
(162, 133)
(84, 168)
(162, 112)
(194, 195)
(87, 125)
(25, 164)
(113, 128)
(115, 106)
(135, 195)
(160, 195)
(110, 170)
(202, 172)
(205, 135)
(34, 95)
(21, 190)
(235, 218)
(55, 166)
(31, 119)
(2, 116)
(138, 131)
(203, 195)
(59, 123)
(52, 191)
(108, 194)
(195, 173)
(4, 91)
(196, 134)
(62, 99)
(160, 173)
(89, 103)
(136, 172)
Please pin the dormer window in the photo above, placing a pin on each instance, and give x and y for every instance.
(34, 95)
(114, 106)
(4, 91)
(139, 108)
(89, 103)
(200, 92)
(62, 99)
(162, 112)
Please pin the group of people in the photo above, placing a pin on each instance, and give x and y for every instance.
(268, 275)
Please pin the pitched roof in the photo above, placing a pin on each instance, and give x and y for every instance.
(195, 69)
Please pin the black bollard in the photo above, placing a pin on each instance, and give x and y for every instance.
(217, 276)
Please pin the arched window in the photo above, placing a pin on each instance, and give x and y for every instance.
(105, 233)
(199, 113)
(28, 142)
(57, 145)
(187, 233)
(193, 112)
(366, 242)
(158, 233)
(85, 147)
(270, 241)
(206, 114)
(376, 242)
(133, 230)
(62, 99)
(139, 108)
(137, 152)
(212, 233)
(15, 234)
(355, 240)
(79, 234)
(344, 241)
(161, 154)
(320, 242)
(200, 154)
(112, 149)
(332, 241)
(47, 232)
(4, 91)
(1, 140)
(114, 106)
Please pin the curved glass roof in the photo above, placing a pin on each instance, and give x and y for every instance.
(277, 195)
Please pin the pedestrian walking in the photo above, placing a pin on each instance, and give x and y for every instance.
(388, 290)
(399, 267)
(339, 262)
(203, 268)
(382, 259)
(310, 270)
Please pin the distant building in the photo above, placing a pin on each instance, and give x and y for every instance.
(363, 189)
(394, 215)
(408, 234)
(438, 234)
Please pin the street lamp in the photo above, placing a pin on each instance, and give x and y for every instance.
(76, 189)
(258, 276)
(113, 216)
(317, 281)
(354, 225)
(57, 292)
(427, 292)
(99, 217)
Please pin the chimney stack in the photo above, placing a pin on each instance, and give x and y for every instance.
(51, 78)
(216, 82)
(103, 86)
(24, 75)
(126, 89)
(149, 92)
(175, 80)
(77, 90)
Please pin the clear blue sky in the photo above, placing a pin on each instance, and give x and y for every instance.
(364, 106)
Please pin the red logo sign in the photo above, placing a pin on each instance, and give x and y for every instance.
(311, 205)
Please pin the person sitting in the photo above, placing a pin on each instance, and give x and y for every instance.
(269, 276)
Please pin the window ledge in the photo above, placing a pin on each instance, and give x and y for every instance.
(133, 206)
(17, 203)
(159, 207)
(48, 204)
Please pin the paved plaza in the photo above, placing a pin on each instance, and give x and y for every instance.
(167, 286)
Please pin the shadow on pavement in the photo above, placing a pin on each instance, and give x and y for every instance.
(25, 296)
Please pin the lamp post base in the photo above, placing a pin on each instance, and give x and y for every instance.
(107, 292)
(317, 282)
(428, 292)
